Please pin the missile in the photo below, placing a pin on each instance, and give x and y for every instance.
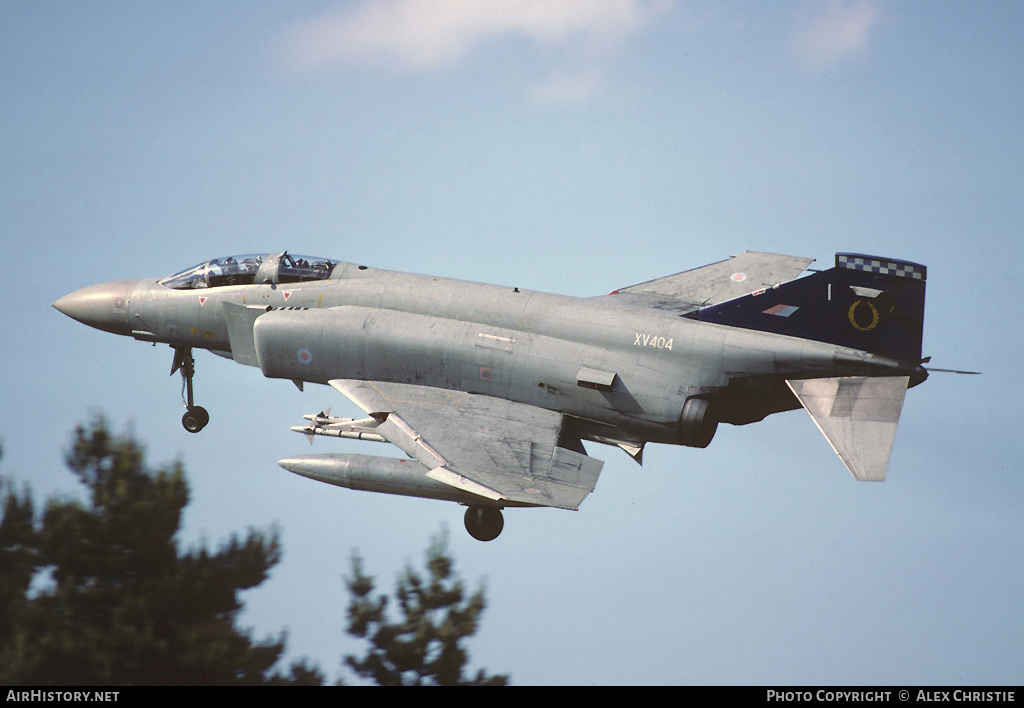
(324, 424)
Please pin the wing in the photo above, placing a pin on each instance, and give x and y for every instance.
(711, 284)
(496, 449)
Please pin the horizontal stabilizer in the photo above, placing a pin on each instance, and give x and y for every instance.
(858, 416)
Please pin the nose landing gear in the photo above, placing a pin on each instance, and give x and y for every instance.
(196, 417)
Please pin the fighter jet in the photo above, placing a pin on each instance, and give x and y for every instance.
(491, 391)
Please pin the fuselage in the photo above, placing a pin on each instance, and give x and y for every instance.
(622, 372)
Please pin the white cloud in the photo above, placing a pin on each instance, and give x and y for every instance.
(841, 30)
(413, 36)
(566, 87)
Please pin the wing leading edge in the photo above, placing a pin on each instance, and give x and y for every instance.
(739, 275)
(498, 450)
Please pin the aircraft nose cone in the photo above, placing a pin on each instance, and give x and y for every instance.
(103, 306)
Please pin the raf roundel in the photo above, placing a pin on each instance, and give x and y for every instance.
(738, 277)
(304, 356)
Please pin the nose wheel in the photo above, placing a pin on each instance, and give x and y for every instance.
(196, 417)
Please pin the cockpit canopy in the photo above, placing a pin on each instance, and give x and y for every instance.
(246, 270)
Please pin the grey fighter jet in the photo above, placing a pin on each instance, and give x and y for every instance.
(490, 391)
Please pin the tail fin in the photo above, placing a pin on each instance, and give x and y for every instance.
(867, 303)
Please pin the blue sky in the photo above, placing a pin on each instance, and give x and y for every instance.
(571, 147)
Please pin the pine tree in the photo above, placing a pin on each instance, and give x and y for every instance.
(424, 646)
(100, 593)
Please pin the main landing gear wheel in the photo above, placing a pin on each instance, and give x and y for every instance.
(196, 417)
(484, 523)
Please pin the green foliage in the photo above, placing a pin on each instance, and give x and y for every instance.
(19, 557)
(424, 646)
(99, 593)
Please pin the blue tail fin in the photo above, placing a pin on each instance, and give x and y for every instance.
(864, 302)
